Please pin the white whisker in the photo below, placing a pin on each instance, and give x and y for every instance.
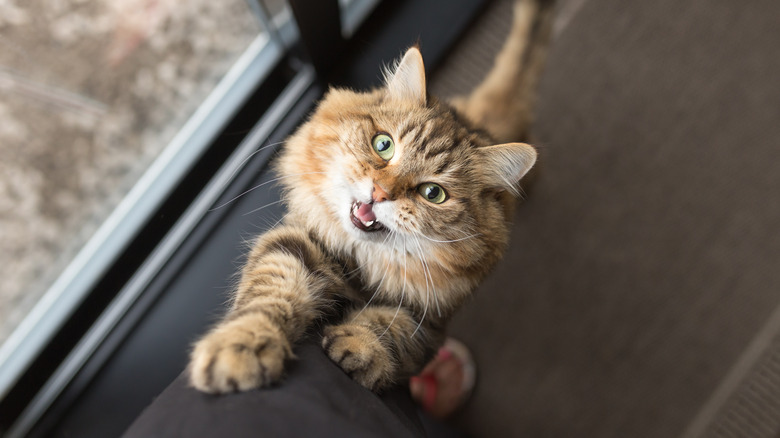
(427, 291)
(427, 268)
(279, 221)
(265, 206)
(241, 165)
(261, 185)
(403, 291)
(359, 266)
(449, 241)
(387, 269)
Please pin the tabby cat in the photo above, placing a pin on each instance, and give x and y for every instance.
(398, 208)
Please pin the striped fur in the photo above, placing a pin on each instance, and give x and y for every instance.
(387, 294)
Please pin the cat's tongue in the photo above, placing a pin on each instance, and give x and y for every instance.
(363, 217)
(365, 212)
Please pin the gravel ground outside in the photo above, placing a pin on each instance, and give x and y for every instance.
(90, 92)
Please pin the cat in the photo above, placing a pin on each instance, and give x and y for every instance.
(398, 206)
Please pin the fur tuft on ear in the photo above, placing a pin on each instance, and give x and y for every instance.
(505, 164)
(407, 80)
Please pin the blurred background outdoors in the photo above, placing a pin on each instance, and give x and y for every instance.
(90, 92)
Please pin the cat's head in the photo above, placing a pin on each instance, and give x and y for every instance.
(393, 168)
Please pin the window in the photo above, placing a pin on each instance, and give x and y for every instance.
(105, 106)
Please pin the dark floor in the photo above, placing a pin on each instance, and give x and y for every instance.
(638, 298)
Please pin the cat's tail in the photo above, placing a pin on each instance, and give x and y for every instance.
(503, 103)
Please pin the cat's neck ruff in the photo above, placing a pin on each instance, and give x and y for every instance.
(412, 275)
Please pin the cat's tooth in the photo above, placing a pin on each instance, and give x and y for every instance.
(369, 223)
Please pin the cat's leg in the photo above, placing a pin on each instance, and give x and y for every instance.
(503, 103)
(380, 345)
(285, 284)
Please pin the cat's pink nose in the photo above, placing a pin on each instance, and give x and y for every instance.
(379, 194)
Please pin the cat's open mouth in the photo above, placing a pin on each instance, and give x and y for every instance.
(363, 217)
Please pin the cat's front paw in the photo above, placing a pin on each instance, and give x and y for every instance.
(360, 354)
(235, 358)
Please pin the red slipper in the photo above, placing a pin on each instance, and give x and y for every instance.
(447, 381)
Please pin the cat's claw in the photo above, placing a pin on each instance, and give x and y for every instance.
(237, 360)
(359, 353)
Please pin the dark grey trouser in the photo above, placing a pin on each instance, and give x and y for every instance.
(316, 398)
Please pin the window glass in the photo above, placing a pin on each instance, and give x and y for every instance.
(91, 91)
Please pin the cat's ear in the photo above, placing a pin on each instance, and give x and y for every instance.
(503, 165)
(407, 81)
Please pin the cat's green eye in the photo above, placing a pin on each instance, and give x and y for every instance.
(384, 146)
(432, 192)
